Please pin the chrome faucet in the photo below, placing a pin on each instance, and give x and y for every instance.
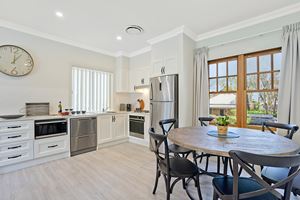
(105, 109)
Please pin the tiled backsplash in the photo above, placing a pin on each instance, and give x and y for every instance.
(131, 98)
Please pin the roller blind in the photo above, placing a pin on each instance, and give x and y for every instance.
(91, 89)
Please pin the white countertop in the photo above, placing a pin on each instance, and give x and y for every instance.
(72, 116)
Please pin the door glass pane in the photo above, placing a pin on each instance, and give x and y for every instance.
(265, 63)
(261, 106)
(223, 104)
(212, 70)
(222, 85)
(251, 65)
(213, 85)
(232, 68)
(276, 80)
(232, 83)
(265, 81)
(277, 61)
(251, 82)
(222, 69)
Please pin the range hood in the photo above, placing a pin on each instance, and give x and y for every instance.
(136, 87)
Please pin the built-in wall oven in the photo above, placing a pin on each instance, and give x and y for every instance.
(136, 126)
(50, 128)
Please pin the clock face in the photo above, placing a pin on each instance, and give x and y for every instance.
(15, 61)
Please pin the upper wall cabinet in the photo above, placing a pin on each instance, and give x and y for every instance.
(122, 74)
(164, 57)
(138, 77)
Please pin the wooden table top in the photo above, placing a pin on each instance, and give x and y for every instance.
(254, 141)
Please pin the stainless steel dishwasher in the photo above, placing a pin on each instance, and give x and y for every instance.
(83, 133)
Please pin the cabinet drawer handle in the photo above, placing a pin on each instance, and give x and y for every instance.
(15, 136)
(12, 157)
(14, 127)
(52, 146)
(15, 147)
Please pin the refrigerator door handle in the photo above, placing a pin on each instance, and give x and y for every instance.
(151, 91)
(151, 114)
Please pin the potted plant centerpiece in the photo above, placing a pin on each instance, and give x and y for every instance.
(222, 123)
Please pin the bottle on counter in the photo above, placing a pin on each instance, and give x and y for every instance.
(59, 107)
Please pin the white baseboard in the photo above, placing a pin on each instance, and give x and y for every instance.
(112, 143)
(139, 141)
(30, 163)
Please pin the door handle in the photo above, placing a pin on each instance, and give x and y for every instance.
(15, 147)
(10, 127)
(52, 146)
(15, 136)
(151, 113)
(12, 157)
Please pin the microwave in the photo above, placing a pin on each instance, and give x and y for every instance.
(50, 128)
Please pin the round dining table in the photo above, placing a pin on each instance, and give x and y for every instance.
(249, 140)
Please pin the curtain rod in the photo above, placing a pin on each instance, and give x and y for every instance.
(244, 38)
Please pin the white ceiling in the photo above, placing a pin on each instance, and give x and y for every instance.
(96, 23)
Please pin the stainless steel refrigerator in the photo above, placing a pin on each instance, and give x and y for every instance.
(163, 100)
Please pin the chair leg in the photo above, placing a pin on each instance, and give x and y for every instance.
(183, 183)
(207, 162)
(168, 187)
(215, 197)
(156, 181)
(218, 164)
(198, 187)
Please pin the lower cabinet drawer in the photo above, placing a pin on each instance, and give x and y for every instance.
(16, 147)
(50, 146)
(16, 156)
(16, 136)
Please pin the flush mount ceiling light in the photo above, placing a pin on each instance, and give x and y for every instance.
(119, 38)
(59, 14)
(134, 30)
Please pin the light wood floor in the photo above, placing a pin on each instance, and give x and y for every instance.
(120, 172)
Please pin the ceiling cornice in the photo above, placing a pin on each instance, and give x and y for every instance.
(141, 51)
(24, 29)
(288, 10)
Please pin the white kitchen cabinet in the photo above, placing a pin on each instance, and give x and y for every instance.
(164, 57)
(122, 74)
(120, 126)
(112, 127)
(138, 77)
(16, 142)
(51, 146)
(104, 128)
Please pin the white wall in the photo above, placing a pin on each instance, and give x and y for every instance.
(50, 80)
(252, 44)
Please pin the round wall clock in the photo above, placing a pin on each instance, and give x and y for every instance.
(15, 61)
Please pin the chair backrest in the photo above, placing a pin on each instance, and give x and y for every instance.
(159, 139)
(204, 121)
(245, 160)
(290, 128)
(167, 122)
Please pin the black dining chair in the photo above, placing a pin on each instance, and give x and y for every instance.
(254, 187)
(166, 125)
(289, 128)
(204, 121)
(273, 175)
(172, 167)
